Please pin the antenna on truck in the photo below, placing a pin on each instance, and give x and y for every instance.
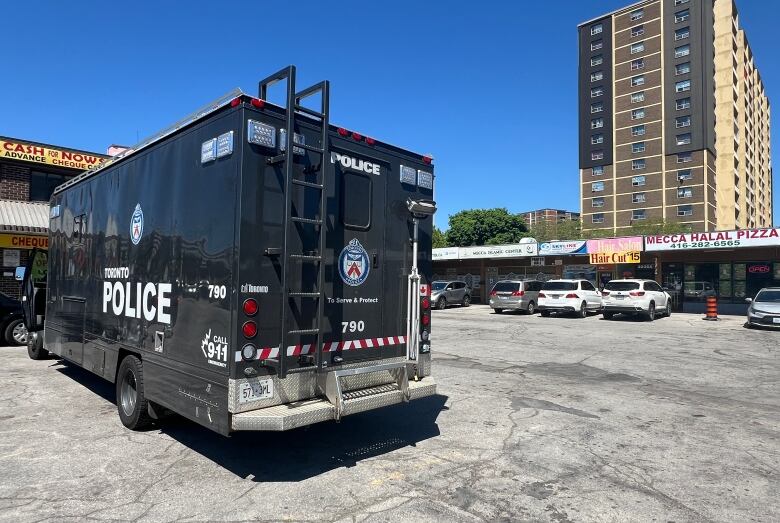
(420, 210)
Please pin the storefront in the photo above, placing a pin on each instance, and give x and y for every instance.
(29, 172)
(730, 265)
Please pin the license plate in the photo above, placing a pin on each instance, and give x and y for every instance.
(555, 296)
(253, 391)
(775, 320)
(619, 297)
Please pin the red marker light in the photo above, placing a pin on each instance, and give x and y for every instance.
(235, 102)
(343, 132)
(250, 307)
(426, 303)
(426, 320)
(370, 141)
(357, 136)
(249, 329)
(427, 160)
(256, 102)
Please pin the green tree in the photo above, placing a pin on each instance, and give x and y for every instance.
(485, 227)
(439, 238)
(546, 231)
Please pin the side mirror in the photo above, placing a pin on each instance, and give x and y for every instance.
(749, 300)
(19, 273)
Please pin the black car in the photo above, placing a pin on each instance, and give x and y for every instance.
(12, 327)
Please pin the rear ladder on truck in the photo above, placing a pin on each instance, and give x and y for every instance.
(329, 381)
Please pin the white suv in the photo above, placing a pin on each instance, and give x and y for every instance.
(578, 296)
(637, 297)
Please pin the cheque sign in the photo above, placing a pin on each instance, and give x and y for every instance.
(713, 240)
(27, 152)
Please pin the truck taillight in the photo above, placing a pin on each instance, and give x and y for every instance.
(250, 307)
(426, 320)
(256, 102)
(426, 303)
(249, 352)
(249, 329)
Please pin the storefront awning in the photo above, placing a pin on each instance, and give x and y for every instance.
(16, 216)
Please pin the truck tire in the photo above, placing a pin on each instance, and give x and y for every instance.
(466, 300)
(545, 314)
(441, 304)
(131, 402)
(16, 333)
(607, 315)
(35, 348)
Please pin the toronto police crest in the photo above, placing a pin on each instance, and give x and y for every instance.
(353, 264)
(136, 225)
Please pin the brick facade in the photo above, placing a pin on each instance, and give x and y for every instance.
(14, 182)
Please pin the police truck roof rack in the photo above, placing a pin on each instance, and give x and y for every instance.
(291, 218)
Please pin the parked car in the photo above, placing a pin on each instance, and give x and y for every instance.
(12, 326)
(445, 293)
(635, 297)
(520, 295)
(577, 296)
(764, 309)
(698, 290)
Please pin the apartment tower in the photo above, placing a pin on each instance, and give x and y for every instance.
(674, 121)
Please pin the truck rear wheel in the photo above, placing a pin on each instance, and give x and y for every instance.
(131, 402)
(35, 348)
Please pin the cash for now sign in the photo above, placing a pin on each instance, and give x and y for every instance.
(33, 153)
(714, 240)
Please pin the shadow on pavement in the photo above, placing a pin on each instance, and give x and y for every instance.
(300, 453)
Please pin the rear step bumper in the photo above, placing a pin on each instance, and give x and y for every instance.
(308, 412)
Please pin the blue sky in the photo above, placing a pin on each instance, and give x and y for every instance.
(488, 88)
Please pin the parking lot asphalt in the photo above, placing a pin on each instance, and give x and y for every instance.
(543, 419)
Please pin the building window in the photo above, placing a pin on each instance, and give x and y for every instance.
(43, 184)
(638, 114)
(684, 139)
(597, 187)
(683, 50)
(638, 147)
(685, 192)
(684, 68)
(638, 214)
(639, 63)
(638, 130)
(683, 103)
(597, 60)
(597, 123)
(637, 47)
(682, 86)
(638, 181)
(595, 77)
(598, 218)
(596, 91)
(595, 140)
(596, 29)
(596, 45)
(597, 107)
(684, 157)
(685, 210)
(684, 174)
(637, 80)
(639, 197)
(597, 155)
(597, 170)
(597, 202)
(682, 121)
(682, 33)
(682, 16)
(637, 165)
(637, 97)
(637, 15)
(638, 30)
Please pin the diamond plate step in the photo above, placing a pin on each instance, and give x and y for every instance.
(308, 412)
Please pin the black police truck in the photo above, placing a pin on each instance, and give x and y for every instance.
(253, 267)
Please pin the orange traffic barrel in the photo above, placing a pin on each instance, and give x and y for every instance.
(712, 309)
